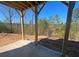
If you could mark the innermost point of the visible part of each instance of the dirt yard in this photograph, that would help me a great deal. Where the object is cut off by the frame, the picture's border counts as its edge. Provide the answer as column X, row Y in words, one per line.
column 72, row 47
column 7, row 38
column 52, row 43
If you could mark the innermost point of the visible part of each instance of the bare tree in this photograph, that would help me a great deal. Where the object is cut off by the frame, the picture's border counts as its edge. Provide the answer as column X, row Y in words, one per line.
column 8, row 17
column 11, row 14
column 76, row 18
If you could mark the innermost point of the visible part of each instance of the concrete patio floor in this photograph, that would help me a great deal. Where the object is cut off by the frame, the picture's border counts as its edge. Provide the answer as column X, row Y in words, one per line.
column 24, row 48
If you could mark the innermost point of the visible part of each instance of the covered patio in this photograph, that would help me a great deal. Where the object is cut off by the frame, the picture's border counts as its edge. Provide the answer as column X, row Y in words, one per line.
column 21, row 6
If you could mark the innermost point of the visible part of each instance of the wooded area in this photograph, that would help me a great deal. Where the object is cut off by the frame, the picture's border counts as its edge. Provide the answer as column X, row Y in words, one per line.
column 51, row 27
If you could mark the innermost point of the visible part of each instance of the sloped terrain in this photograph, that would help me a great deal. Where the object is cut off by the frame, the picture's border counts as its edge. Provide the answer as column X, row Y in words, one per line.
column 8, row 38
column 72, row 49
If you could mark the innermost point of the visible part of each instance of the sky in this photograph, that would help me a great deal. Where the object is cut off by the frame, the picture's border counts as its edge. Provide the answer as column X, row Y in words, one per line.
column 51, row 8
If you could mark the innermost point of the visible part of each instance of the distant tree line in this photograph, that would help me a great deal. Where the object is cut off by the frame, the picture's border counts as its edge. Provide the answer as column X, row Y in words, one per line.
column 52, row 26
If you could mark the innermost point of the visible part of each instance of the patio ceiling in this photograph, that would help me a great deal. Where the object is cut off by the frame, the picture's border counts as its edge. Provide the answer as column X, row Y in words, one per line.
column 21, row 5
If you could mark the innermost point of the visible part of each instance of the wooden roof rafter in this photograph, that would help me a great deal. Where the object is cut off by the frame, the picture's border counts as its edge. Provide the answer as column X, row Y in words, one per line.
column 22, row 3
column 7, row 4
column 16, row 4
column 36, row 2
column 32, row 6
column 27, row 5
column 13, row 4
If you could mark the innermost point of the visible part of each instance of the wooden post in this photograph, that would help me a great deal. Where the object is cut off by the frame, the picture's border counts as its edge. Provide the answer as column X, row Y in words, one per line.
column 36, row 24
column 67, row 30
column 36, row 21
column 22, row 23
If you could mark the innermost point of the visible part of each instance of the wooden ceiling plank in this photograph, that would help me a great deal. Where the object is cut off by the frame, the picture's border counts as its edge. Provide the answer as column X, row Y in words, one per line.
column 17, row 5
column 32, row 6
column 22, row 3
column 9, row 5
column 36, row 3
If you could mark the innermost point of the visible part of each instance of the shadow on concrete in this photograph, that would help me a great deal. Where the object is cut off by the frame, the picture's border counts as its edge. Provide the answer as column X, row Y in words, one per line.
column 31, row 50
column 72, row 49
column 45, row 48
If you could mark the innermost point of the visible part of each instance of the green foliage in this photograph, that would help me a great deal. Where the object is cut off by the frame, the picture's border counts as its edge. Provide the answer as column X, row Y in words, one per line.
column 76, row 19
column 43, row 25
column 3, row 27
column 54, row 20
column 30, row 27
column 57, row 27
column 75, row 24
column 76, row 15
column 61, row 30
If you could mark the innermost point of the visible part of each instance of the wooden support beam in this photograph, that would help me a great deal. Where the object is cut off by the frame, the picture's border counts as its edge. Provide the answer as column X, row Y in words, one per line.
column 41, row 7
column 36, row 21
column 31, row 6
column 36, row 24
column 22, row 23
column 18, row 12
column 65, row 3
column 67, row 29
column 26, row 5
